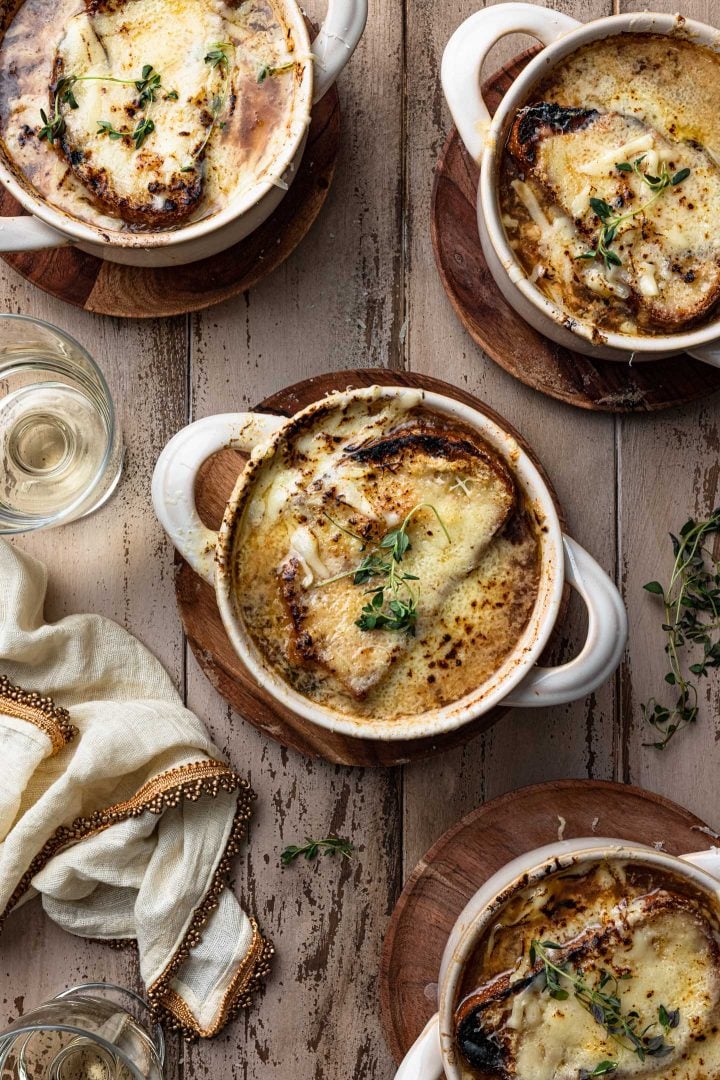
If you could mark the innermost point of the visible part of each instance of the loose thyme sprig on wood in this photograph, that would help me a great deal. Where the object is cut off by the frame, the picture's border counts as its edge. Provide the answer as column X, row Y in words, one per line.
column 611, row 221
column 147, row 86
column 394, row 601
column 310, row 850
column 691, row 607
column 603, row 1002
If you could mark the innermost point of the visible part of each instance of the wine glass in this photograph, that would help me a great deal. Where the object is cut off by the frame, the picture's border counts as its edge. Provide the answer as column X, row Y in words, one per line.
column 60, row 446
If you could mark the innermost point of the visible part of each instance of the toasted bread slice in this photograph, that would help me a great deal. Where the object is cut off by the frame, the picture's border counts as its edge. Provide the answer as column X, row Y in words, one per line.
column 664, row 953
column 421, row 462
column 669, row 249
column 159, row 183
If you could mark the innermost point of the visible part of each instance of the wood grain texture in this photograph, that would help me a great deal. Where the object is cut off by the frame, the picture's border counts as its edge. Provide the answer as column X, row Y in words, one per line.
column 538, row 362
column 336, row 303
column 117, row 563
column 481, row 844
column 573, row 740
column 361, row 291
column 668, row 471
column 133, row 292
column 203, row 625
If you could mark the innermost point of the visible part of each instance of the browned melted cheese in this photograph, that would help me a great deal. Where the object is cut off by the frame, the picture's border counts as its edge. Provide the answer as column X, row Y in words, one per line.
column 328, row 498
column 636, row 96
column 654, row 932
column 175, row 176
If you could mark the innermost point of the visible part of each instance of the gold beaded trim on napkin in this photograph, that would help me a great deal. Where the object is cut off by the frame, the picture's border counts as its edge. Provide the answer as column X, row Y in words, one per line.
column 192, row 781
column 28, row 705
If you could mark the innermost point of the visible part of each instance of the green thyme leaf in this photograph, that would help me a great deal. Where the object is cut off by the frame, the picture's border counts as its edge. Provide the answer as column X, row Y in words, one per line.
column 611, row 222
column 601, row 999
column 599, row 1070
column 691, row 620
column 106, row 128
column 331, row 845
column 601, row 208
column 144, row 128
column 393, row 603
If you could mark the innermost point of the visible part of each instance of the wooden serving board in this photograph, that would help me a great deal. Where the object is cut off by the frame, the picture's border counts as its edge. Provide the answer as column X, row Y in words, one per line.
column 206, row 633
column 599, row 385
column 479, row 845
column 134, row 292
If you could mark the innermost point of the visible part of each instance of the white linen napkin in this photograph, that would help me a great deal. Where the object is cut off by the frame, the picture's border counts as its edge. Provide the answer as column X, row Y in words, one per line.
column 116, row 807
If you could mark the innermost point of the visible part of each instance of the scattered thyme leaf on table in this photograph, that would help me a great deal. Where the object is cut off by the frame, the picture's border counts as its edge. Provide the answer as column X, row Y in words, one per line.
column 691, row 609
column 310, row 850
column 601, row 999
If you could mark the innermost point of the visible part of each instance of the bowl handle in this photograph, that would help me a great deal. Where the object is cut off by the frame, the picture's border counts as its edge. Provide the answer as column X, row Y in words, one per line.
column 29, row 234
column 709, row 354
column 466, row 50
column 173, row 482
column 423, row 1060
column 339, row 34
column 605, row 643
column 708, row 860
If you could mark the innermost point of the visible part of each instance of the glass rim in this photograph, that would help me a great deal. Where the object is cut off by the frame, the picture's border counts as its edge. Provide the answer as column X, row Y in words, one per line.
column 8, row 1037
column 66, row 515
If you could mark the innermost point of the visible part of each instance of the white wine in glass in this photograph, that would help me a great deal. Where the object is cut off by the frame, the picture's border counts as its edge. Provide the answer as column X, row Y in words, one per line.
column 60, row 446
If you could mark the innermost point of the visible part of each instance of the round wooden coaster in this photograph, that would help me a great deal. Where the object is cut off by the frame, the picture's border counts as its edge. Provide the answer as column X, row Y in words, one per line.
column 134, row 292
column 600, row 385
column 469, row 853
column 206, row 633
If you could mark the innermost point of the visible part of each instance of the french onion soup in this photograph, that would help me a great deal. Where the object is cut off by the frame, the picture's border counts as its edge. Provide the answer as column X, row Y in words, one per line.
column 386, row 563
column 147, row 114
column 611, row 967
column 610, row 184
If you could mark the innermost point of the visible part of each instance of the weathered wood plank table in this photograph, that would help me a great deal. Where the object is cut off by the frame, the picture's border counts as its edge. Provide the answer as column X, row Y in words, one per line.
column 362, row 290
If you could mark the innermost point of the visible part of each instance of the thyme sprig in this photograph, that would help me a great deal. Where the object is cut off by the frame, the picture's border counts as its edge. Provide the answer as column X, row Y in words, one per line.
column 691, row 608
column 612, row 221
column 218, row 60
column 147, row 85
column 601, row 1069
column 602, row 1001
column 393, row 603
column 331, row 845
column 267, row 70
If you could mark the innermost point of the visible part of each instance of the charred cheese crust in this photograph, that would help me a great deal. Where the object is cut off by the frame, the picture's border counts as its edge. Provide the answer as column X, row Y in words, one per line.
column 401, row 470
column 616, row 100
column 356, row 473
column 670, row 253
column 175, row 175
column 664, row 944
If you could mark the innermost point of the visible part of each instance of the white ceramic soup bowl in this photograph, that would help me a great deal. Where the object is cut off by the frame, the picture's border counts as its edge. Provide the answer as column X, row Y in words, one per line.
column 517, row 682
column 50, row 227
column 433, row 1055
column 484, row 139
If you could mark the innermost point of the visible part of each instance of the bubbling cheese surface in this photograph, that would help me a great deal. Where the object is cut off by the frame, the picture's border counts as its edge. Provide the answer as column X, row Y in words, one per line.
column 652, row 932
column 325, row 501
column 118, row 38
column 655, row 99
